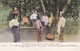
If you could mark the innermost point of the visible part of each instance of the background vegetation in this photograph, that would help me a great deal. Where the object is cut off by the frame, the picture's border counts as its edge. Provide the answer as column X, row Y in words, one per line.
column 55, row 6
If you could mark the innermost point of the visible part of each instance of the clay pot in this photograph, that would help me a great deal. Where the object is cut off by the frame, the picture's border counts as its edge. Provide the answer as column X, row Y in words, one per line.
column 50, row 36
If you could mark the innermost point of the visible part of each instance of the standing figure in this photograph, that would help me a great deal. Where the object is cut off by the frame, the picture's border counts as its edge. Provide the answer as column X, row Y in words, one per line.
column 33, row 17
column 45, row 20
column 11, row 15
column 51, row 20
column 45, row 23
column 60, row 27
column 39, row 28
column 51, row 23
column 14, row 25
column 25, row 20
column 15, row 11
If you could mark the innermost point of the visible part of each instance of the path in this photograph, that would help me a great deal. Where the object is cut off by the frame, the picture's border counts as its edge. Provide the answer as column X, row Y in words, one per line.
column 30, row 36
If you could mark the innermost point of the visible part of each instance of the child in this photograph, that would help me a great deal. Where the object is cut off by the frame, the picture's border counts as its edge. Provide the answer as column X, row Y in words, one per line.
column 38, row 26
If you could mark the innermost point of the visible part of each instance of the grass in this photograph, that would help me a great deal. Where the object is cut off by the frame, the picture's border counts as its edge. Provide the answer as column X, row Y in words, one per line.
column 72, row 27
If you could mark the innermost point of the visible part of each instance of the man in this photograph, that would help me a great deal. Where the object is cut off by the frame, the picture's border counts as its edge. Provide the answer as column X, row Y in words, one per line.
column 14, row 25
column 33, row 17
column 61, row 25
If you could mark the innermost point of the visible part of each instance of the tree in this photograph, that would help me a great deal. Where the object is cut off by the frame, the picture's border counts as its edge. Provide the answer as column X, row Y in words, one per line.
column 43, row 6
column 69, row 7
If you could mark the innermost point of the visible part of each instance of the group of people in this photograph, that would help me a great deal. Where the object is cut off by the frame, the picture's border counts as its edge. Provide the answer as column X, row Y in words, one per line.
column 40, row 22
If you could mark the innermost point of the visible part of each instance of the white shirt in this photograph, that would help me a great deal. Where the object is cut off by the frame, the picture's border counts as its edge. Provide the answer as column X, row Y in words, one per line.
column 45, row 19
column 13, row 22
column 33, row 16
column 61, row 23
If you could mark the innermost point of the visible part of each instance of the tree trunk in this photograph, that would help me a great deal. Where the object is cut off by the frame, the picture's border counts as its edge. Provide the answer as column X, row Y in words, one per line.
column 19, row 11
column 24, row 6
column 57, row 13
column 43, row 6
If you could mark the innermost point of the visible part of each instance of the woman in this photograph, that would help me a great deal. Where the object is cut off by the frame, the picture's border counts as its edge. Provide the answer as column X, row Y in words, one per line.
column 38, row 27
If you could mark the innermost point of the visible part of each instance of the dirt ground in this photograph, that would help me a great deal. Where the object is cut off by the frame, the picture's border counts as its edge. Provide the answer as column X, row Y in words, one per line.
column 30, row 36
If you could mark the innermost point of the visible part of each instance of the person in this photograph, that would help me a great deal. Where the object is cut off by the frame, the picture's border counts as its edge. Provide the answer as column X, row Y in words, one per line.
column 25, row 20
column 33, row 17
column 39, row 28
column 11, row 15
column 60, row 27
column 14, row 25
column 15, row 11
column 45, row 23
column 51, row 23
column 45, row 20
column 51, row 20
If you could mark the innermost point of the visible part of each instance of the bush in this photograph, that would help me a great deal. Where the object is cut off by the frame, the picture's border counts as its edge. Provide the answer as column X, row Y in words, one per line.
column 72, row 27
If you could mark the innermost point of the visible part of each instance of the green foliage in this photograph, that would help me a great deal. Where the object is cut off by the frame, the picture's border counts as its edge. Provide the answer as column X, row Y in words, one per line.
column 72, row 11
column 72, row 27
column 50, row 6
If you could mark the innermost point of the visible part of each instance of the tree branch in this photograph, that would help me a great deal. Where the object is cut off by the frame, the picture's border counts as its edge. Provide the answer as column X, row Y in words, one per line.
column 43, row 6
column 66, row 6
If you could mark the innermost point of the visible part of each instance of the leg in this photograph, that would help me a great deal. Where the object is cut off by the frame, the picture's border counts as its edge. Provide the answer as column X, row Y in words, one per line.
column 39, row 36
column 17, row 35
column 61, row 34
column 14, row 34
